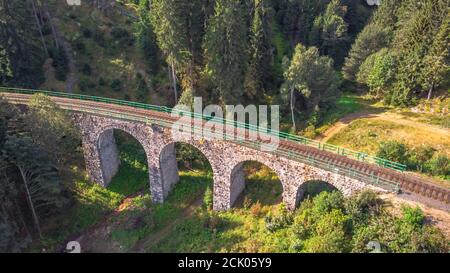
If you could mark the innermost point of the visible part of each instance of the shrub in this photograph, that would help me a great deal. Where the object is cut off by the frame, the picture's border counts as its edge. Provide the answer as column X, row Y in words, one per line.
column 310, row 132
column 279, row 219
column 80, row 46
column 327, row 201
column 116, row 85
column 246, row 203
column 418, row 156
column 86, row 69
column 394, row 151
column 122, row 36
column 413, row 216
column 87, row 33
column 213, row 221
column 99, row 38
column 102, row 81
column 362, row 206
column 256, row 208
column 439, row 165
column 61, row 64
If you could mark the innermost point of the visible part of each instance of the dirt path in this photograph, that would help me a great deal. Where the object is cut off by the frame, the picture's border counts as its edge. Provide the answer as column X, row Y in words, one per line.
column 157, row 237
column 385, row 116
column 89, row 238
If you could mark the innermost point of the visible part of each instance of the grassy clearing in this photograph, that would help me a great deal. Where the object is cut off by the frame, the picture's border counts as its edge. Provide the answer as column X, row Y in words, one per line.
column 91, row 203
column 347, row 104
column 367, row 134
column 442, row 121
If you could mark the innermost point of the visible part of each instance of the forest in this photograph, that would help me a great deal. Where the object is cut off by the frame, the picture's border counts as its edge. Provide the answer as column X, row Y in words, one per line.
column 308, row 56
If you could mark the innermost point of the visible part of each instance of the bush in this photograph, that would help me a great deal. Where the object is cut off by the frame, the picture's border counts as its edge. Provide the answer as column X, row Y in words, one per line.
column 80, row 46
column 327, row 201
column 394, row 151
column 310, row 132
column 87, row 33
column 256, row 209
column 439, row 165
column 61, row 64
column 116, row 85
column 99, row 38
column 102, row 81
column 362, row 206
column 413, row 216
column 281, row 218
column 86, row 69
column 122, row 37
column 418, row 156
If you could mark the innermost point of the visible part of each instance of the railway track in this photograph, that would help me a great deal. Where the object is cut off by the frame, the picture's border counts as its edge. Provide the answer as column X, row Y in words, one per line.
column 369, row 173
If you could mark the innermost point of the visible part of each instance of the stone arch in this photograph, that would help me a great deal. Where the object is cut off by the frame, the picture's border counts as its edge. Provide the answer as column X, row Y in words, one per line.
column 108, row 153
column 168, row 165
column 316, row 186
column 237, row 177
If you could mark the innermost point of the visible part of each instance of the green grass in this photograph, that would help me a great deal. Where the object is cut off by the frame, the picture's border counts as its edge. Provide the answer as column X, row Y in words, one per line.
column 241, row 229
column 237, row 230
column 432, row 119
column 191, row 186
column 347, row 104
column 262, row 185
column 91, row 204
column 364, row 135
column 367, row 134
column 132, row 176
column 141, row 219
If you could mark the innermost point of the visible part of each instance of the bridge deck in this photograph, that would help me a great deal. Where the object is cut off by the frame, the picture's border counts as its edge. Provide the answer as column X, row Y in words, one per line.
column 383, row 177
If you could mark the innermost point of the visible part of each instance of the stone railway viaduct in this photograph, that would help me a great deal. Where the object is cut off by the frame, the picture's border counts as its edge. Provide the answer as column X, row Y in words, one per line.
column 98, row 120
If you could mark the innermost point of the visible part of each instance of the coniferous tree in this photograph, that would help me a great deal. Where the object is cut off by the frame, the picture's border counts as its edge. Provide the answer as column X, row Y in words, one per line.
column 18, row 38
column 5, row 66
column 40, row 178
column 418, row 25
column 261, row 57
column 373, row 38
column 436, row 62
column 178, row 25
column 226, row 49
column 329, row 32
column 146, row 39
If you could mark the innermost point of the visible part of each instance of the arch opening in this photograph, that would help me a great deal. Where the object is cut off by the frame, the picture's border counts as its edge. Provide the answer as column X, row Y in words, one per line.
column 253, row 182
column 185, row 171
column 123, row 162
column 311, row 188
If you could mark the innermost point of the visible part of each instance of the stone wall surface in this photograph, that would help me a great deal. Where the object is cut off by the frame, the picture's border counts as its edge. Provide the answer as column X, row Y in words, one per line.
column 226, row 159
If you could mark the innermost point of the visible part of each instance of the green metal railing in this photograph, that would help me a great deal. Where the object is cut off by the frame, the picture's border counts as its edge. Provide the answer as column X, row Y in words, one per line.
column 163, row 109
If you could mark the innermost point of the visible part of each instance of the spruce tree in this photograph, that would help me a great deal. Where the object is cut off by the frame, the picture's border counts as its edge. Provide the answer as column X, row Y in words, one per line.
column 145, row 36
column 329, row 31
column 226, row 47
column 260, row 66
column 178, row 25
